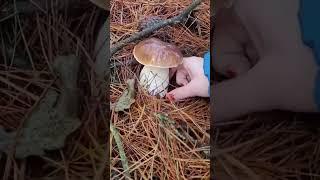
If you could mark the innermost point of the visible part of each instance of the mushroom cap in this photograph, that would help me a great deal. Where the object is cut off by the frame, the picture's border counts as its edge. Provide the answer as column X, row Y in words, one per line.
column 156, row 53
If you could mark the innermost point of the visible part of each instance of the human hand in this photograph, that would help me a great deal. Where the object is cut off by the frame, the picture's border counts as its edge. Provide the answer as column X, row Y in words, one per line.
column 190, row 75
column 283, row 71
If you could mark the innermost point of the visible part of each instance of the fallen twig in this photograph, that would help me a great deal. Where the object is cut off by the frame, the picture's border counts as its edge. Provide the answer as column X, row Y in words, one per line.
column 175, row 20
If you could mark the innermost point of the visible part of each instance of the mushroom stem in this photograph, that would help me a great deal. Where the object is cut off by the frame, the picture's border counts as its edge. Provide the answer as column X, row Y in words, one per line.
column 155, row 80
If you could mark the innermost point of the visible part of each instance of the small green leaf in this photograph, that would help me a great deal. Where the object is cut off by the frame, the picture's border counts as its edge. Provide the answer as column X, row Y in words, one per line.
column 164, row 118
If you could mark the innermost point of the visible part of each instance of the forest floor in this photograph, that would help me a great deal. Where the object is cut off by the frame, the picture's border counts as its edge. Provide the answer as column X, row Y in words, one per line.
column 33, row 38
column 161, row 140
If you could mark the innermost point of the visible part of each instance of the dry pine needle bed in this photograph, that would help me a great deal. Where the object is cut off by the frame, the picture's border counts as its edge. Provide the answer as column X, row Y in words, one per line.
column 34, row 40
column 160, row 140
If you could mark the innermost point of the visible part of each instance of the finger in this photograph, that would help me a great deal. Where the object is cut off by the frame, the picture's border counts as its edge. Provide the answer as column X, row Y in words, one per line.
column 267, row 86
column 194, row 67
column 182, row 92
column 188, row 78
column 230, row 59
column 239, row 96
column 233, row 65
column 182, row 77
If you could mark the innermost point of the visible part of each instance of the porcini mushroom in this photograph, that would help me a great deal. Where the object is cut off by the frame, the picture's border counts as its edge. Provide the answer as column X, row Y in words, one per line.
column 157, row 57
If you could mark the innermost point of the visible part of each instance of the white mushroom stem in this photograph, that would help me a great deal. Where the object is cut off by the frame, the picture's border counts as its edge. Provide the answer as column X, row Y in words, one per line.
column 155, row 80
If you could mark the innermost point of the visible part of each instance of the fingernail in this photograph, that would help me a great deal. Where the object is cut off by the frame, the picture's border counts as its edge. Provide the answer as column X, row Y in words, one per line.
column 231, row 73
column 170, row 97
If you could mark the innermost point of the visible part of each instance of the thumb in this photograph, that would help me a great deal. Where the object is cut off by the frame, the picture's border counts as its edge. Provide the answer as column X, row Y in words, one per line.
column 182, row 92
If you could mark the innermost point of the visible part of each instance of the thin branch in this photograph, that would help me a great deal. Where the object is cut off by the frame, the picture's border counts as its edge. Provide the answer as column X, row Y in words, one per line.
column 175, row 20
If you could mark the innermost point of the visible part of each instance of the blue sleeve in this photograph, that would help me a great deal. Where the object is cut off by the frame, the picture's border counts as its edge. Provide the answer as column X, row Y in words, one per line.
column 206, row 67
column 309, row 15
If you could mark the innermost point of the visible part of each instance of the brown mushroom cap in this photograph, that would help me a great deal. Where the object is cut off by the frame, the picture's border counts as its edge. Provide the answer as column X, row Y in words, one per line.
column 156, row 53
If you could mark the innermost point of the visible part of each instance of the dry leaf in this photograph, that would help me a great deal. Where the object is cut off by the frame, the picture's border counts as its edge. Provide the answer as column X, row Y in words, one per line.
column 52, row 120
column 127, row 98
